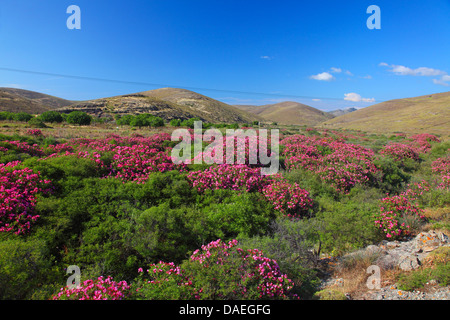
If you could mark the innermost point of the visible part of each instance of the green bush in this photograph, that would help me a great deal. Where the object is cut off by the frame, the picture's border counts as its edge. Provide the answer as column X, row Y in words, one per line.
column 22, row 116
column 79, row 118
column 232, row 214
column 164, row 233
column 393, row 179
column 5, row 115
column 189, row 123
column 347, row 225
column 124, row 120
column 51, row 116
column 175, row 122
column 24, row 267
column 294, row 244
column 36, row 123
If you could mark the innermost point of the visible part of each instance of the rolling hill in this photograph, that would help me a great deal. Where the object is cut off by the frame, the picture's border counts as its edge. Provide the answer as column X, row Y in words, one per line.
column 341, row 112
column 289, row 113
column 429, row 113
column 167, row 103
column 19, row 100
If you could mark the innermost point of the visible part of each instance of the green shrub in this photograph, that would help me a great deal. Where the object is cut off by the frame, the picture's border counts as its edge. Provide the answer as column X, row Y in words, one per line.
column 22, row 116
column 234, row 214
column 294, row 244
column 124, row 120
column 5, row 115
column 36, row 123
column 347, row 225
column 79, row 118
column 24, row 267
column 189, row 123
column 175, row 122
column 393, row 178
column 51, row 116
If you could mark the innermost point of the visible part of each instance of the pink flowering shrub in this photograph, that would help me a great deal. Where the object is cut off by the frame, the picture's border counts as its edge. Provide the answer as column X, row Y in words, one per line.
column 340, row 164
column 441, row 166
column 23, row 147
column 287, row 198
column 34, row 132
column 98, row 289
column 421, row 142
column 135, row 163
column 217, row 271
column 224, row 176
column 241, row 151
column 18, row 190
column 400, row 151
column 396, row 213
column 124, row 158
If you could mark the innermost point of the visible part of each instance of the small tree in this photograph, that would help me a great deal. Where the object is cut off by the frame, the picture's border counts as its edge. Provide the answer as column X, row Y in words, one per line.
column 79, row 117
column 23, row 116
column 51, row 116
column 175, row 122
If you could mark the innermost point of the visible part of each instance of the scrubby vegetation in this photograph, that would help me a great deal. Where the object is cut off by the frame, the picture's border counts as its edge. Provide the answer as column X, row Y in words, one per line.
column 141, row 227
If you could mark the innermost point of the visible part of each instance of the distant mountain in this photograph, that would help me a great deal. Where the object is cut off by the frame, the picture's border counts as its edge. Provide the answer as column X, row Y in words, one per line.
column 341, row 112
column 167, row 103
column 288, row 112
column 19, row 100
column 429, row 113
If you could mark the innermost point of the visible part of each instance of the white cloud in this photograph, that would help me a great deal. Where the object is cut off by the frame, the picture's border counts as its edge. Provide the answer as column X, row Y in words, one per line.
column 421, row 71
column 355, row 97
column 406, row 71
column 367, row 77
column 324, row 76
column 336, row 70
column 266, row 57
column 383, row 64
column 349, row 73
column 443, row 81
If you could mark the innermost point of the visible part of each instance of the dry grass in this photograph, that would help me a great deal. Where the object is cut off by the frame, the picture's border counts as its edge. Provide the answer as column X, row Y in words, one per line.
column 430, row 114
column 289, row 113
column 352, row 275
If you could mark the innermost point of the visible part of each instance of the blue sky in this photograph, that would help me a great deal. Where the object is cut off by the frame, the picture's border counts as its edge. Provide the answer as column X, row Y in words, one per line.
column 320, row 53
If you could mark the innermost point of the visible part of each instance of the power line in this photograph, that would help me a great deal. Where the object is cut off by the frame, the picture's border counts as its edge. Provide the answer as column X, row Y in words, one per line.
column 161, row 85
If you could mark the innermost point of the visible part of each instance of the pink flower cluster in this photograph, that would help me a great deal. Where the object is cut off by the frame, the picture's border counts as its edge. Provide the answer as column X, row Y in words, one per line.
column 341, row 164
column 98, row 289
column 24, row 147
column 245, row 150
column 421, row 142
column 224, row 176
column 400, row 151
column 18, row 190
column 135, row 163
column 59, row 148
column 258, row 275
column 133, row 158
column 287, row 198
column 255, row 269
column 34, row 132
column 393, row 209
column 441, row 166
